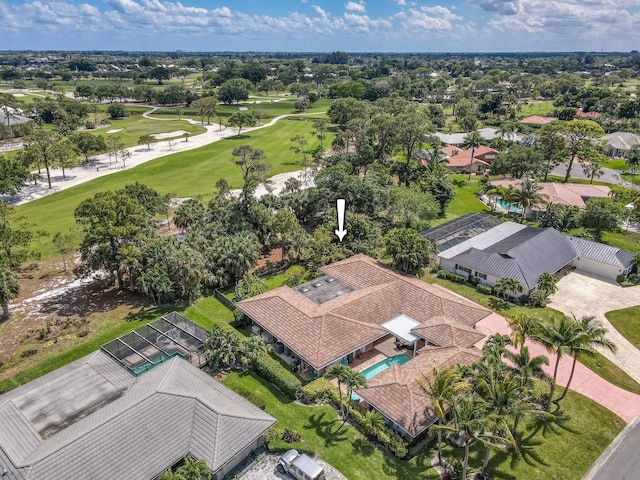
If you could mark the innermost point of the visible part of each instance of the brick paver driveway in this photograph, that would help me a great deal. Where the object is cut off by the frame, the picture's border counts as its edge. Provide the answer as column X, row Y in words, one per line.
column 582, row 294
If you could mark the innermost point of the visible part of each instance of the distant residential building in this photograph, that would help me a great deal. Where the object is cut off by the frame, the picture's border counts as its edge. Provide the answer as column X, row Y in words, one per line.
column 619, row 143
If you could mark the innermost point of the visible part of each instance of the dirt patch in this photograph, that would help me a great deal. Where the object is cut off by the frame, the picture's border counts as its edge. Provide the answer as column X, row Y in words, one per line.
column 55, row 310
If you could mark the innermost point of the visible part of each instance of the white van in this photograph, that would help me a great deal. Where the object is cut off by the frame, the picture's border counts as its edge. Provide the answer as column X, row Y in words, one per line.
column 301, row 467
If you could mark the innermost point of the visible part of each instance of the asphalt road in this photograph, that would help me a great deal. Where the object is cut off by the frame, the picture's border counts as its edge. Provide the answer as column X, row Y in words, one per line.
column 621, row 459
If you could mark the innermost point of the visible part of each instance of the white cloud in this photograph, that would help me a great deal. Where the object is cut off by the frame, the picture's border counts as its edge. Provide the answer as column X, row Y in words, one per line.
column 402, row 3
column 355, row 7
column 503, row 7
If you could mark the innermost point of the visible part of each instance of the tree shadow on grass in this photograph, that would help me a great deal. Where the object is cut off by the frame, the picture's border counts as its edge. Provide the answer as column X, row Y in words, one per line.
column 459, row 182
column 499, row 305
column 363, row 447
column 555, row 425
column 325, row 429
column 237, row 137
column 417, row 469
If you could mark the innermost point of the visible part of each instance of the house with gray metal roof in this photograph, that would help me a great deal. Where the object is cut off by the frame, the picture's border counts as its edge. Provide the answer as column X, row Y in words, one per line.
column 619, row 143
column 94, row 419
column 514, row 250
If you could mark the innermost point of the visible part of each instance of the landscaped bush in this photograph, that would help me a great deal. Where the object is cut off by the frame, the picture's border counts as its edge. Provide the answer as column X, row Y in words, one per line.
column 252, row 397
column 318, row 391
column 383, row 434
column 272, row 371
column 442, row 274
column 474, row 281
column 486, row 289
column 536, row 298
column 454, row 277
column 28, row 353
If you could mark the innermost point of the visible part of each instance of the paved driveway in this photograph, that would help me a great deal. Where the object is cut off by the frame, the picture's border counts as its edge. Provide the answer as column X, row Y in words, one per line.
column 583, row 294
column 265, row 469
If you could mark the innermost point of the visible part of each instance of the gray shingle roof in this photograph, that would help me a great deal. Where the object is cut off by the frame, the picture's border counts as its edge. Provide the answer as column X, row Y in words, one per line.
column 524, row 255
column 14, row 119
column 622, row 140
column 131, row 428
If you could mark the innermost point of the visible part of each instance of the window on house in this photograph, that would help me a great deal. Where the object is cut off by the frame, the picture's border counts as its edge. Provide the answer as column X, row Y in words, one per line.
column 481, row 275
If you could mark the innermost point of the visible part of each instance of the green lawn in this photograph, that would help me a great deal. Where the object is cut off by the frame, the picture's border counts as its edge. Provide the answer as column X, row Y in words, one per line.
column 610, row 372
column 465, row 200
column 186, row 174
column 627, row 322
column 270, row 109
column 535, row 108
column 615, row 163
column 317, row 428
column 134, row 126
column 564, row 451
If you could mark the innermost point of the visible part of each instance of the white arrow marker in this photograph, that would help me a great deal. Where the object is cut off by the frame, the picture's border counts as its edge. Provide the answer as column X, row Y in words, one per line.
column 340, row 231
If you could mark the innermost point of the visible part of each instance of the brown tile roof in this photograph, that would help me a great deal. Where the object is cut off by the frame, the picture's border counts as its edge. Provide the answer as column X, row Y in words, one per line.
column 538, row 120
column 448, row 332
column 323, row 333
column 564, row 193
column 397, row 394
column 590, row 114
column 461, row 158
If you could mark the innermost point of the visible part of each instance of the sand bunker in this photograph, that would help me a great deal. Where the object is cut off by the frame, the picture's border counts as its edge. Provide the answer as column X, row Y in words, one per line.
column 177, row 133
column 116, row 130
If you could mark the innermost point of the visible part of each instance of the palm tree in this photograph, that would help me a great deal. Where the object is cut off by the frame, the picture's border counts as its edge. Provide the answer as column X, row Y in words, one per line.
column 222, row 347
column 494, row 193
column 557, row 337
column 494, row 348
column 547, row 283
column 251, row 349
column 633, row 158
column 591, row 334
column 339, row 371
column 194, row 470
column 508, row 287
column 528, row 196
column 8, row 290
column 372, row 421
column 441, row 388
column 352, row 380
column 169, row 475
column 472, row 141
column 523, row 326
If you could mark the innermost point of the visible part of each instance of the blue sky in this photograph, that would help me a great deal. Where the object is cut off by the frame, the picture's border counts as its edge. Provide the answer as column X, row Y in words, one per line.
column 322, row 25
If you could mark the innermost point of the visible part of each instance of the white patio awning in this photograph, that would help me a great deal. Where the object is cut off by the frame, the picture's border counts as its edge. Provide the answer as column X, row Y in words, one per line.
column 401, row 326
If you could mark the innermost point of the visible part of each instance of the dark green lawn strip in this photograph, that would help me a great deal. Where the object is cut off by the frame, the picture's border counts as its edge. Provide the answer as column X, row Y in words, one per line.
column 317, row 428
column 627, row 322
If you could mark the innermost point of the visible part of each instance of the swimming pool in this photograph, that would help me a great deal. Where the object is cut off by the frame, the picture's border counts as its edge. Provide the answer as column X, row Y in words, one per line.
column 510, row 207
column 380, row 367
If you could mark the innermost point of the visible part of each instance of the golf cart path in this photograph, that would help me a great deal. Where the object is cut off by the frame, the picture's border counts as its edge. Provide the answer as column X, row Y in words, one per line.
column 102, row 165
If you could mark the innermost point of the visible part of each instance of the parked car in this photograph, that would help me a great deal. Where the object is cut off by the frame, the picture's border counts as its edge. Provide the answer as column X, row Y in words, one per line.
column 300, row 467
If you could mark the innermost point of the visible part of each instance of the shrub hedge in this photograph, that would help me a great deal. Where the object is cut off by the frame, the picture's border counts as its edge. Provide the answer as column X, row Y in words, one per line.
column 486, row 289
column 272, row 371
column 318, row 391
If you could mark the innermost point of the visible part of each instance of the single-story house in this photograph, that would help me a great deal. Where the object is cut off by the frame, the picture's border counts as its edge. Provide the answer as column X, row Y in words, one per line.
column 537, row 120
column 13, row 119
column 590, row 115
column 95, row 419
column 572, row 194
column 487, row 133
column 458, row 159
column 357, row 305
column 619, row 143
column 514, row 250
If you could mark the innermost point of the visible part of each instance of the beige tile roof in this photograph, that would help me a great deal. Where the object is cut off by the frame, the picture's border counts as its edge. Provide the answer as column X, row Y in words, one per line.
column 323, row 333
column 397, row 394
column 565, row 193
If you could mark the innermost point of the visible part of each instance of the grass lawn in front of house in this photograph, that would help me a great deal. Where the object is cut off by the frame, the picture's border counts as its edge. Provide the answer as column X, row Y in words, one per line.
column 627, row 322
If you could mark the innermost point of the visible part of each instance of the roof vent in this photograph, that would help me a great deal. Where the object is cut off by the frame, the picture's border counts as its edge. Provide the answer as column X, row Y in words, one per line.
column 318, row 285
column 305, row 289
column 329, row 280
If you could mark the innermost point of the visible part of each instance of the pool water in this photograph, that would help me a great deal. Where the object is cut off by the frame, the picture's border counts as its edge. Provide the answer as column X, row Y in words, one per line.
column 510, row 207
column 156, row 360
column 380, row 367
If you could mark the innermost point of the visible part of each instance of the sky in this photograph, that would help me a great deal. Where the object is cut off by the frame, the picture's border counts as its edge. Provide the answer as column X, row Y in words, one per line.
column 321, row 25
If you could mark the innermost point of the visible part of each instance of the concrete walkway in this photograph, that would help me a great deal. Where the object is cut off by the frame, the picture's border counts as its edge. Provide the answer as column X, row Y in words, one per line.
column 101, row 165
column 585, row 295
column 586, row 382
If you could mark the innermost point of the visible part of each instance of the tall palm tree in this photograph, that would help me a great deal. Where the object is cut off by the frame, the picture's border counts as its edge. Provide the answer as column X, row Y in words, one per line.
column 528, row 196
column 441, row 388
column 473, row 140
column 557, row 337
column 339, row 371
column 523, row 326
column 352, row 380
column 591, row 335
column 251, row 349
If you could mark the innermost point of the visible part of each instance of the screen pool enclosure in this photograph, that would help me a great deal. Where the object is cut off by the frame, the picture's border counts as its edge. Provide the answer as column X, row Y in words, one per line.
column 154, row 343
column 459, row 230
